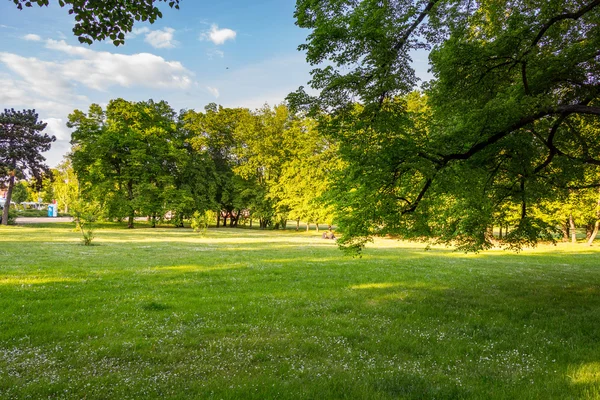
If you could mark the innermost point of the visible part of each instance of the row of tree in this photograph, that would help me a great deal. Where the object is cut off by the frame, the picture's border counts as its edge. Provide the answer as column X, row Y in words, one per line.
column 143, row 159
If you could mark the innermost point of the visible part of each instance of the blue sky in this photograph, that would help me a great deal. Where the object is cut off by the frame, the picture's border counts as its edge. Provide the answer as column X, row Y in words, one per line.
column 232, row 52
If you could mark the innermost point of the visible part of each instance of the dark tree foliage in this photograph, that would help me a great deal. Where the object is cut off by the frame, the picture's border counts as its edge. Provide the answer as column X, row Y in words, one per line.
column 102, row 19
column 514, row 83
column 21, row 145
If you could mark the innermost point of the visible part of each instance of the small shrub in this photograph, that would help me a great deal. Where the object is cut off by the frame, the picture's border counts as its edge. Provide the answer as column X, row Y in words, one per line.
column 84, row 216
column 12, row 216
column 33, row 213
column 201, row 221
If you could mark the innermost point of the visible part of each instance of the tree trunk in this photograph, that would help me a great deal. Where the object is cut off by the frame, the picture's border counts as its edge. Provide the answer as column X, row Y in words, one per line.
column 307, row 226
column 500, row 233
column 572, row 227
column 250, row 222
column 489, row 233
column 11, row 185
column 218, row 219
column 565, row 231
column 297, row 225
column 589, row 228
column 317, row 225
column 597, row 224
column 594, row 233
column 130, row 198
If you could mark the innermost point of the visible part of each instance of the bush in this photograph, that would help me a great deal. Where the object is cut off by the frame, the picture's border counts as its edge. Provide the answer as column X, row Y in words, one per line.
column 84, row 216
column 12, row 216
column 33, row 213
column 201, row 221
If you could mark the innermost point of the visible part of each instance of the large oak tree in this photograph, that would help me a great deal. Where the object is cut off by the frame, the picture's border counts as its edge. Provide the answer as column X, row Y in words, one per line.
column 514, row 82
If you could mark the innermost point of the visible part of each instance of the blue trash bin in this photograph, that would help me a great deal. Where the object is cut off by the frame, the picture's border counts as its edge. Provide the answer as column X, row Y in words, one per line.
column 51, row 210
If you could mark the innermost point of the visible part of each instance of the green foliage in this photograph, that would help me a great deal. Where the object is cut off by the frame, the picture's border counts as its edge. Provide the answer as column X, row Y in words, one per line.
column 509, row 120
column 65, row 186
column 201, row 221
column 212, row 134
column 305, row 179
column 108, row 19
column 124, row 157
column 12, row 217
column 21, row 145
column 85, row 214
column 35, row 213
column 20, row 192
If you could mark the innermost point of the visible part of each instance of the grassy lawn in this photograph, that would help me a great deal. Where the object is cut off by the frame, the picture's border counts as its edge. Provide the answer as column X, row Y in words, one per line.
column 167, row 313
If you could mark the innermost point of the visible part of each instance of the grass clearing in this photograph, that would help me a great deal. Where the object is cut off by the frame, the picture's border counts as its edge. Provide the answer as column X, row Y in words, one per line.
column 167, row 313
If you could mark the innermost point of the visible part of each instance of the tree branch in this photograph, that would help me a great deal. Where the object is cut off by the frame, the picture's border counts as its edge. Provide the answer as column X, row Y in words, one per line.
column 564, row 109
column 578, row 108
column 524, row 77
column 575, row 15
column 415, row 24
column 415, row 203
column 550, row 144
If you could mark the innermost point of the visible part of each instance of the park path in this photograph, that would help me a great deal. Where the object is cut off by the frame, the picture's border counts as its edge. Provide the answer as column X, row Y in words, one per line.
column 41, row 220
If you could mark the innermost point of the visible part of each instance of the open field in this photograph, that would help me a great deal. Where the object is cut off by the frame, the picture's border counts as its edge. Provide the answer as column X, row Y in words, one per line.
column 167, row 313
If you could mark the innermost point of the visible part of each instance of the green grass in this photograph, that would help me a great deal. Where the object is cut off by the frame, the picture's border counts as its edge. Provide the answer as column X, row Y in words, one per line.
column 167, row 313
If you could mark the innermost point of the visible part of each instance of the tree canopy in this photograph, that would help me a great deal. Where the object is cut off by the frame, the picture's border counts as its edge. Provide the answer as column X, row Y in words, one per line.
column 141, row 159
column 511, row 114
column 99, row 20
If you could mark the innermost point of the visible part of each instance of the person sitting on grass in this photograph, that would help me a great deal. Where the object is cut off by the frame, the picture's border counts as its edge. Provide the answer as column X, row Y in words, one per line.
column 328, row 234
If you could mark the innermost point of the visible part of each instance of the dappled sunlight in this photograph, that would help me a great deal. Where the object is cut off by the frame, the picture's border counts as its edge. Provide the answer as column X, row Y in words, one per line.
column 384, row 292
column 13, row 280
column 541, row 248
column 586, row 374
column 374, row 286
column 199, row 268
column 401, row 285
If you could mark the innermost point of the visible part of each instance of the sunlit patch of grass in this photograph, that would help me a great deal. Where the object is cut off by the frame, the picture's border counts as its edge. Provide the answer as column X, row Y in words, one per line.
column 374, row 286
column 197, row 268
column 8, row 280
column 586, row 374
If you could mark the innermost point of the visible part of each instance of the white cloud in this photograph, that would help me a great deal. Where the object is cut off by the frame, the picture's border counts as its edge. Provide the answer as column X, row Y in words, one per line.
column 100, row 70
column 32, row 37
column 161, row 39
column 213, row 91
column 58, row 128
column 39, row 79
column 218, row 36
column 215, row 53
column 55, row 88
column 25, row 94
column 138, row 31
